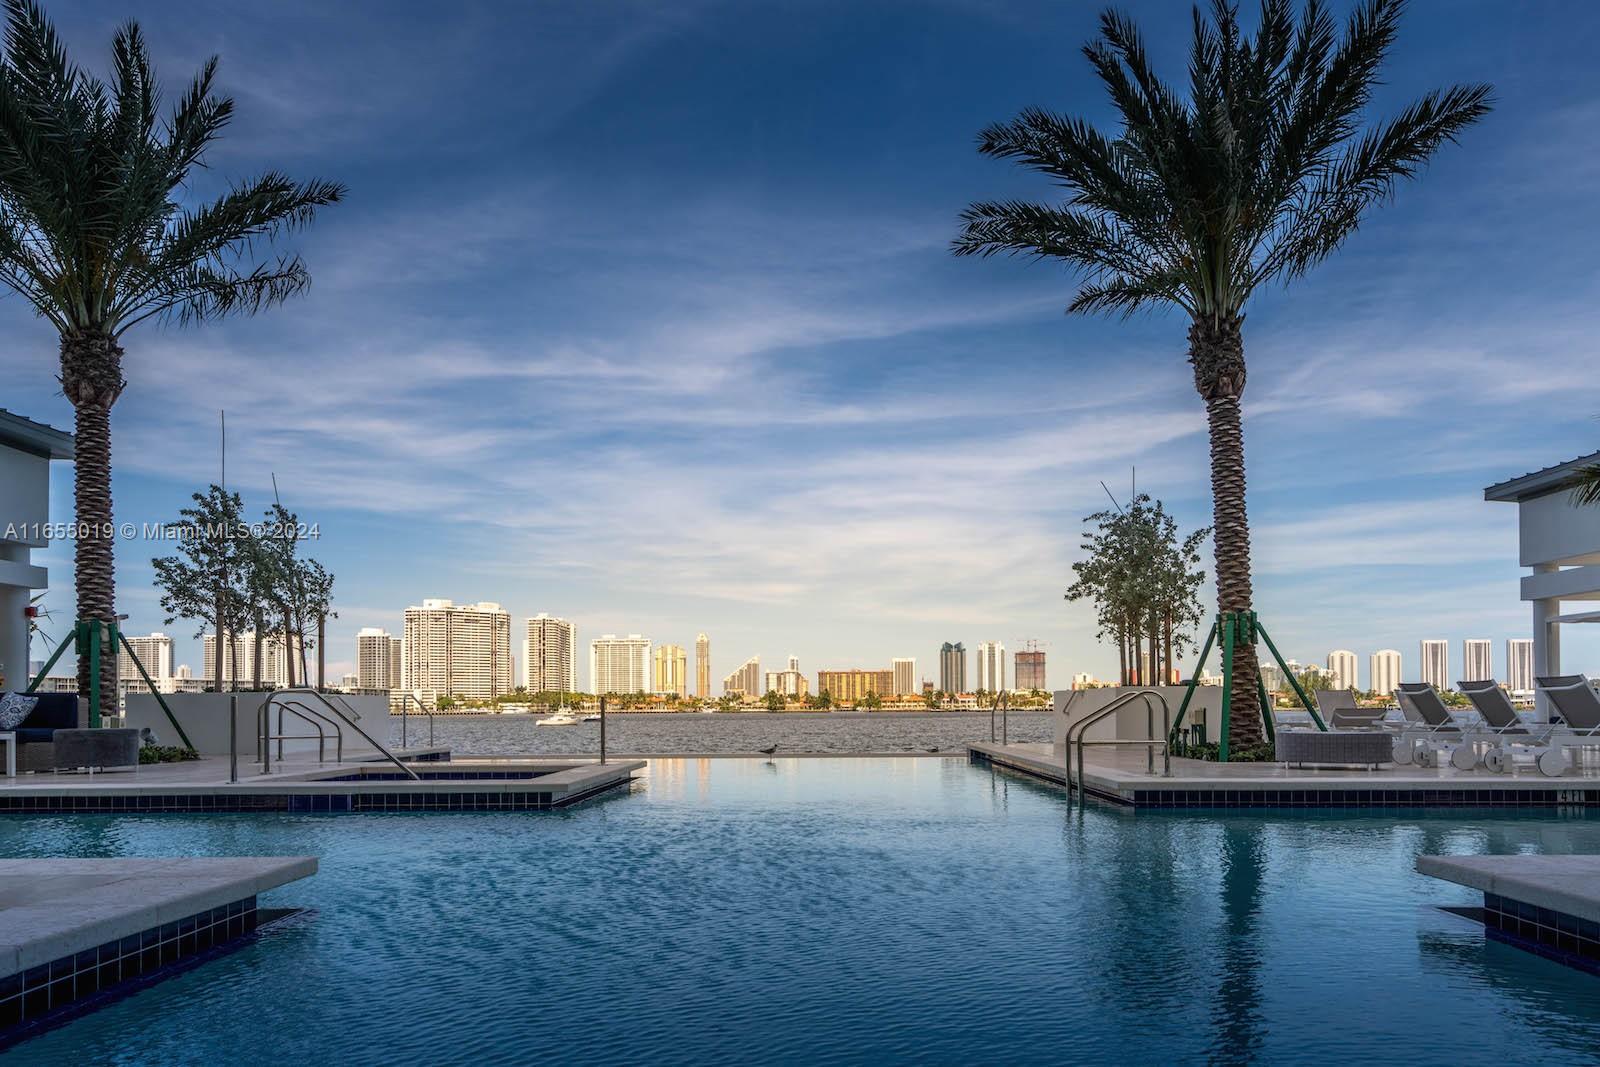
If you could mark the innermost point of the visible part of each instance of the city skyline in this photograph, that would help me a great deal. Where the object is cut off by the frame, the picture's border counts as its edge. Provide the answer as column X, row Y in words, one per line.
column 864, row 325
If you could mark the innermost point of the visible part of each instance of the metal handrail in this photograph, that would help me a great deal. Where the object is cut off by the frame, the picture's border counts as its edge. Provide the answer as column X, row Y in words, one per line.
column 338, row 734
column 310, row 692
column 265, row 736
column 1117, row 704
column 407, row 696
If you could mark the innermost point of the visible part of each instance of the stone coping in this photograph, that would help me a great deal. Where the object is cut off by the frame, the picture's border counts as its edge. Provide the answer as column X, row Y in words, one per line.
column 1567, row 884
column 1121, row 777
column 51, row 908
column 556, row 777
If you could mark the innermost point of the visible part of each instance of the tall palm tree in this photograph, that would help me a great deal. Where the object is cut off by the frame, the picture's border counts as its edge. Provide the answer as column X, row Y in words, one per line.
column 98, row 234
column 1256, row 175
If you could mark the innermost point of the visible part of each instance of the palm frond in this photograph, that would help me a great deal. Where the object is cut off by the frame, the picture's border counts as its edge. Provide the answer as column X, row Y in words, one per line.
column 1258, row 173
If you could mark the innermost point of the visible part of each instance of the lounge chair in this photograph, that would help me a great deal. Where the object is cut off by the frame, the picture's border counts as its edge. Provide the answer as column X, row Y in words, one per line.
column 1502, row 727
column 1429, row 728
column 1580, row 709
column 1338, row 709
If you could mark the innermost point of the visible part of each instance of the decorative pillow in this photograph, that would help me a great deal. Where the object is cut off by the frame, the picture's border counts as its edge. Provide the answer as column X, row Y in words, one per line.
column 14, row 707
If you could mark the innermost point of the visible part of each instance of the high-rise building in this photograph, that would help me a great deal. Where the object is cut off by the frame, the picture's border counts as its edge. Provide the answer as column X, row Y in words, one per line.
column 1436, row 664
column 1030, row 670
column 278, row 659
column 789, row 682
column 1342, row 669
column 350, row 681
column 1384, row 672
column 456, row 650
column 154, row 652
column 669, row 673
column 1519, row 664
column 905, row 676
column 702, row 666
column 744, row 682
column 550, row 655
column 853, row 686
column 991, row 666
column 619, row 664
column 1272, row 677
column 953, row 667
column 1083, row 680
column 377, row 659
column 1477, row 660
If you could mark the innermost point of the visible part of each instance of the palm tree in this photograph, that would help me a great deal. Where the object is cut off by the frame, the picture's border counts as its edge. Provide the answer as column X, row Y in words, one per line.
column 1259, row 173
column 96, row 232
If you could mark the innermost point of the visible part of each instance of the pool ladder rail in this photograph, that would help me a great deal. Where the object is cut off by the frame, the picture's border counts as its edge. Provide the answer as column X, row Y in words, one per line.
column 334, row 712
column 1081, row 727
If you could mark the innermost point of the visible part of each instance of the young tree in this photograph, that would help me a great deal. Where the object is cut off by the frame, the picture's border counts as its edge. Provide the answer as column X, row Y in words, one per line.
column 208, row 580
column 1198, row 198
column 97, row 236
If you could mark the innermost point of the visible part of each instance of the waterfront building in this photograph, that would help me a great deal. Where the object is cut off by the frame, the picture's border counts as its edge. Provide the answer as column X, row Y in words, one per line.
column 1519, row 664
column 1272, row 677
column 456, row 650
column 669, row 672
column 377, row 659
column 154, row 652
column 1477, row 660
column 991, row 666
column 1384, row 672
column 1342, row 669
column 1436, row 664
column 746, row 681
column 550, row 655
column 26, row 450
column 1084, row 680
column 279, row 659
column 953, row 667
column 1029, row 673
column 619, row 664
column 788, row 683
column 350, row 681
column 905, row 676
column 855, row 685
column 702, row 666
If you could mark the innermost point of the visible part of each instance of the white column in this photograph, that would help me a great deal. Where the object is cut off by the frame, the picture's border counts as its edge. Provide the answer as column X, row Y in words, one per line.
column 1546, row 644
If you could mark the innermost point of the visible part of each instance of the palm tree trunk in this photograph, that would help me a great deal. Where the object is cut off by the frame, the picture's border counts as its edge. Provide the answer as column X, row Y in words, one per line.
column 1216, row 349
column 91, row 380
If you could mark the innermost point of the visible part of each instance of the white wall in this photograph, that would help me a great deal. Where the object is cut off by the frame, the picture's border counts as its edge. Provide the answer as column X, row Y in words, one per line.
column 24, row 505
column 1133, row 721
column 204, row 717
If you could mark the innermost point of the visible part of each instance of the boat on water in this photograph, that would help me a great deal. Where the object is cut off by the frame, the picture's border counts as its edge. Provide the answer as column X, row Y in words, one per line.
column 593, row 716
column 560, row 718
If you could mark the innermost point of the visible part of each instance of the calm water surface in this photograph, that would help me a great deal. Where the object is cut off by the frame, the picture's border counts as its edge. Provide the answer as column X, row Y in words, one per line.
column 845, row 911
column 652, row 734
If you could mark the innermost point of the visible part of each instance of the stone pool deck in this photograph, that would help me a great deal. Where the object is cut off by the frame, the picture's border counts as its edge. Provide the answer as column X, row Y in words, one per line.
column 74, row 932
column 307, row 786
column 1120, row 777
column 1549, row 905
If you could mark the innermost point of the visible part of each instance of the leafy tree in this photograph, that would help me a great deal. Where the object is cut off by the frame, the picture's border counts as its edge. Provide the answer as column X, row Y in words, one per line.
column 1254, row 175
column 773, row 700
column 210, row 579
column 1144, row 580
column 95, row 234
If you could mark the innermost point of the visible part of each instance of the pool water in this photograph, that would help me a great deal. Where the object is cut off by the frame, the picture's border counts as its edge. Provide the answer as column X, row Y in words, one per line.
column 845, row 911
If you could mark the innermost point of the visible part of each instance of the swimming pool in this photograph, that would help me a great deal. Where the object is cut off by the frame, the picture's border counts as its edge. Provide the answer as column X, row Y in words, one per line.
column 845, row 910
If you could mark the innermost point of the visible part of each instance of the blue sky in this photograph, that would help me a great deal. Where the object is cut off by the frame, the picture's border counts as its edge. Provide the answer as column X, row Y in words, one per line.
column 642, row 314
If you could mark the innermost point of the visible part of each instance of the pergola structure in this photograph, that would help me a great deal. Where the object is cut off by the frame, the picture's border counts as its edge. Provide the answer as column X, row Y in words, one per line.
column 1560, row 543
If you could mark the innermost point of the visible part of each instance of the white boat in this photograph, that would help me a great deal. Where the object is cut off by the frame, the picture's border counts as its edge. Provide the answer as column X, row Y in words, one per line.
column 593, row 716
column 560, row 718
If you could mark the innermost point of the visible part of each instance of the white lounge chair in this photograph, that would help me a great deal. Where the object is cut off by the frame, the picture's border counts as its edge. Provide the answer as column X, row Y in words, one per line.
column 1502, row 730
column 1430, row 729
column 1579, row 706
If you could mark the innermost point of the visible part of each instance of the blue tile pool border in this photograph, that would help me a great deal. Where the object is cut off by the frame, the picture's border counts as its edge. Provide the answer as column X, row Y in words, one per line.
column 39, row 997
column 1566, row 939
